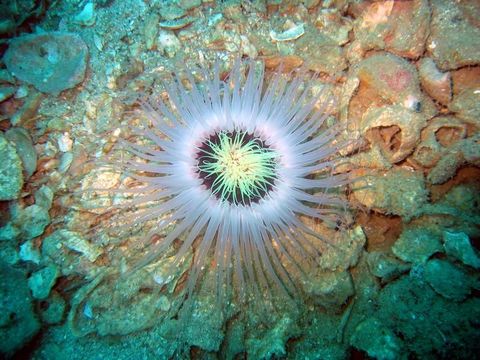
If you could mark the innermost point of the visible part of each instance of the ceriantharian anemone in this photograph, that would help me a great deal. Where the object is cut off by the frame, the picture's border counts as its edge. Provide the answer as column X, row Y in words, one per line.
column 235, row 162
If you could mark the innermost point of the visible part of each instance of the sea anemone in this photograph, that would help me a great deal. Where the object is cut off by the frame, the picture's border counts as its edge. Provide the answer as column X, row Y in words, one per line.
column 234, row 163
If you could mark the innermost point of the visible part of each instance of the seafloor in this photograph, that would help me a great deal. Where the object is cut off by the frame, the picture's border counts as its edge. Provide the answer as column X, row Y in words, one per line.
column 401, row 279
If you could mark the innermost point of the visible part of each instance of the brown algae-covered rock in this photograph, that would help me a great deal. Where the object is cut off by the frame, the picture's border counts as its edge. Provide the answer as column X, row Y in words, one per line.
column 52, row 62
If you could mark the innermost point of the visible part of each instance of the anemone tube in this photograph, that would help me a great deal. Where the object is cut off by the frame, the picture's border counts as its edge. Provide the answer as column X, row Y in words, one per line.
column 234, row 163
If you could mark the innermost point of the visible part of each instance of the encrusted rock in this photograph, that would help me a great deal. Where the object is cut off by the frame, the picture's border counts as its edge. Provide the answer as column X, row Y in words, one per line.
column 374, row 158
column 11, row 176
column 171, row 11
column 6, row 92
column 459, row 209
column 465, row 78
column 325, row 57
column 466, row 105
column 22, row 92
column 455, row 34
column 458, row 245
column 109, row 305
column 32, row 221
column 345, row 252
column 394, row 129
column 150, row 30
column 25, row 149
column 436, row 139
column 42, row 281
column 377, row 340
column 53, row 309
column 9, row 232
column 163, row 273
column 330, row 21
column 87, row 16
column 72, row 241
column 385, row 267
column 206, row 324
column 28, row 112
column 330, row 289
column 271, row 343
column 398, row 191
column 189, row 4
column 399, row 27
column 168, row 43
column 392, row 78
column 28, row 252
column 44, row 197
column 417, row 245
column 6, row 77
column 448, row 280
column 436, row 83
column 65, row 142
column 288, row 63
column 52, row 62
column 18, row 323
column 101, row 178
column 419, row 316
column 466, row 151
column 8, row 253
column 65, row 162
